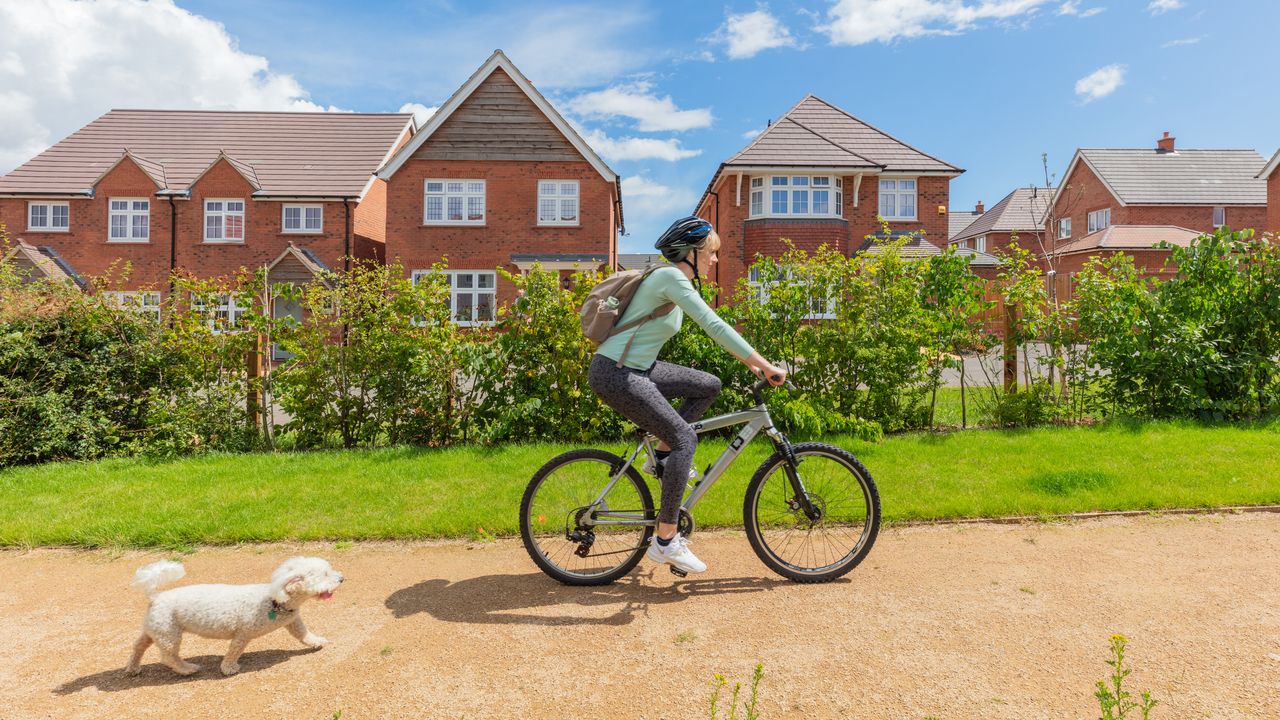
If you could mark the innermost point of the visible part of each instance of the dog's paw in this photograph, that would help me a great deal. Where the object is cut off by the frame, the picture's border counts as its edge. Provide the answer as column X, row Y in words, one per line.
column 315, row 641
column 133, row 670
column 231, row 669
column 187, row 668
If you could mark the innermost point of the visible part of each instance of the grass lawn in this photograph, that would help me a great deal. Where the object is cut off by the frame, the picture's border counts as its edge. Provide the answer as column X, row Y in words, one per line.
column 414, row 492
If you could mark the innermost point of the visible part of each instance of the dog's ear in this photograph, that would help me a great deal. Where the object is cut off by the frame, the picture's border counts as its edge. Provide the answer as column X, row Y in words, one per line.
column 282, row 592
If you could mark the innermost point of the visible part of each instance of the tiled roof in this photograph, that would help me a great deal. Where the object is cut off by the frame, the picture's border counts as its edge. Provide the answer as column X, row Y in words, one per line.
column 1129, row 237
column 1270, row 167
column 1020, row 210
column 637, row 261
column 958, row 220
column 916, row 247
column 816, row 133
column 282, row 153
column 42, row 260
column 1184, row 177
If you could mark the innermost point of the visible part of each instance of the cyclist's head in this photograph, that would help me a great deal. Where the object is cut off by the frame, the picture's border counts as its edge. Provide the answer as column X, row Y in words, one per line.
column 683, row 237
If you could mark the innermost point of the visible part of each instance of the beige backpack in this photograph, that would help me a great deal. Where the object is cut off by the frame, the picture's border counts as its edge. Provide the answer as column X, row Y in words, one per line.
column 608, row 302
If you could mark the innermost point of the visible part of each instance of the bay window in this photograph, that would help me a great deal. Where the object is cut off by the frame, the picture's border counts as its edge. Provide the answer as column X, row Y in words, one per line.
column 471, row 294
column 223, row 313
column 797, row 196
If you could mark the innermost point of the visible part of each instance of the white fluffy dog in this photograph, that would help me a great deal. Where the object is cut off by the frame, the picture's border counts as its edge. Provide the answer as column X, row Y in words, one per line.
column 238, row 613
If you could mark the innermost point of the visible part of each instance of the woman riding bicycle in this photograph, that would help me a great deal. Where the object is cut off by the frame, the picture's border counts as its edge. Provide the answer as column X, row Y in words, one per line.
column 639, row 387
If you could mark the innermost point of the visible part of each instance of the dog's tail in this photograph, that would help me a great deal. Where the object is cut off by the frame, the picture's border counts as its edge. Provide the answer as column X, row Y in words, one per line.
column 151, row 577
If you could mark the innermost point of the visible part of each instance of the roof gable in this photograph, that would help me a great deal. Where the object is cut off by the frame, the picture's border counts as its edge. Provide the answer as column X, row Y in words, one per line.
column 1020, row 210
column 849, row 142
column 487, row 117
column 1270, row 167
column 298, row 265
column 42, row 263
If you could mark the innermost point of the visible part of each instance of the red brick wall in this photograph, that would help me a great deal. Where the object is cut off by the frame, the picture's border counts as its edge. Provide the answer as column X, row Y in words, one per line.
column 511, row 216
column 742, row 238
column 1273, row 202
column 86, row 248
column 370, row 216
column 1151, row 262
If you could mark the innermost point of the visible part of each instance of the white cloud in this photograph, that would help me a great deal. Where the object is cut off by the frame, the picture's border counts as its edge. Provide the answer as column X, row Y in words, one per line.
column 1188, row 41
column 1101, row 83
column 749, row 33
column 1072, row 7
column 643, row 195
column 1163, row 6
column 67, row 62
column 421, row 113
column 855, row 22
column 634, row 100
column 633, row 148
column 752, row 133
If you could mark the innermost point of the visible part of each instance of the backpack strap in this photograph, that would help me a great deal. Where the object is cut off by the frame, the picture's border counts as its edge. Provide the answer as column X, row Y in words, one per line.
column 657, row 313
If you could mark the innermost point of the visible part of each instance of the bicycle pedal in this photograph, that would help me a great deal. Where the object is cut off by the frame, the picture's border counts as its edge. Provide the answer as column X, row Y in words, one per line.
column 677, row 571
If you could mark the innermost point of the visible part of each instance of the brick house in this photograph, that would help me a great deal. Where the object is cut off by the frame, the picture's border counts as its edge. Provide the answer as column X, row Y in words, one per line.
column 1020, row 213
column 1135, row 241
column 1270, row 175
column 958, row 220
column 1197, row 190
column 206, row 192
column 820, row 176
column 497, row 178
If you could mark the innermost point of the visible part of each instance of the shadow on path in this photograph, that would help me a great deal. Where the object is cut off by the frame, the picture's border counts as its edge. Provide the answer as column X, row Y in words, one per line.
column 156, row 673
column 494, row 599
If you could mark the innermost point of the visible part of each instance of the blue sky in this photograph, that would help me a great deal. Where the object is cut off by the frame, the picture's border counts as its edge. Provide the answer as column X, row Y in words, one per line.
column 668, row 90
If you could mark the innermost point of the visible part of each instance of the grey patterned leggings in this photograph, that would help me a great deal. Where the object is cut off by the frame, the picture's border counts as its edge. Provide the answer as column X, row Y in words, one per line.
column 641, row 397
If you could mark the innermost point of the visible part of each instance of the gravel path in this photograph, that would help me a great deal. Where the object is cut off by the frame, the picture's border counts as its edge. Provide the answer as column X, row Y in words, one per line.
column 941, row 621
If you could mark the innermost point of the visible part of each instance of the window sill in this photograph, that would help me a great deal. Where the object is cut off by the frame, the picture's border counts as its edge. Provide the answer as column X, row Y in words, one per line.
column 797, row 216
column 558, row 225
column 902, row 220
column 298, row 232
column 48, row 230
column 222, row 242
column 453, row 224
column 127, row 242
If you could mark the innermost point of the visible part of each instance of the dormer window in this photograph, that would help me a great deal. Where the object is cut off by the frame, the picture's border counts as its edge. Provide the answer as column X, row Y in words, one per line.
column 796, row 196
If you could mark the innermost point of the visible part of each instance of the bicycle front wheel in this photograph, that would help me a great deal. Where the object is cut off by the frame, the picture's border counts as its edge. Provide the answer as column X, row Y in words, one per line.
column 573, row 538
column 818, row 550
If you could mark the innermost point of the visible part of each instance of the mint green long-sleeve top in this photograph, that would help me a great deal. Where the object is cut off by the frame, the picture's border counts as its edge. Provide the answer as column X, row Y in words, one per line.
column 664, row 285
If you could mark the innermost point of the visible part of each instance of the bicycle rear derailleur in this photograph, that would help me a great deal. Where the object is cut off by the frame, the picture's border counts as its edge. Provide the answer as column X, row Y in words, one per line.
column 584, row 537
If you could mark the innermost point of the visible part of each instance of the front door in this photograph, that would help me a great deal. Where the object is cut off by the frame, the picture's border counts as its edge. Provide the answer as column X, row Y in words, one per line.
column 285, row 309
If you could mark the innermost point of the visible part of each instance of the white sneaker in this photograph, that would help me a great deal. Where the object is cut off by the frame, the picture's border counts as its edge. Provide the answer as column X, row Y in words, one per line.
column 649, row 468
column 677, row 555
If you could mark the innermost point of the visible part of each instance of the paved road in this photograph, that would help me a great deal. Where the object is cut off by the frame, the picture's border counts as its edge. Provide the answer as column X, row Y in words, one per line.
column 946, row 622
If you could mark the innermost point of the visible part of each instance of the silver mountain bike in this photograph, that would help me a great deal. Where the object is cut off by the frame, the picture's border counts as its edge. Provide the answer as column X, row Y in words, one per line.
column 811, row 510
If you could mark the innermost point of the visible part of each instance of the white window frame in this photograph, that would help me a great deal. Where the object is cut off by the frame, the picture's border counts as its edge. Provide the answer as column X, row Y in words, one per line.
column 980, row 243
column 226, row 315
column 304, row 219
column 561, row 200
column 1064, row 228
column 467, row 192
column 143, row 302
column 795, row 192
column 49, row 216
column 897, row 192
column 760, row 293
column 483, row 282
column 1219, row 217
column 223, row 213
column 131, row 214
column 1099, row 220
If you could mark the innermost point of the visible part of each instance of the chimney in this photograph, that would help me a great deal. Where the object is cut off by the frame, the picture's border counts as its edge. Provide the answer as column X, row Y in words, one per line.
column 1165, row 144
column 978, row 208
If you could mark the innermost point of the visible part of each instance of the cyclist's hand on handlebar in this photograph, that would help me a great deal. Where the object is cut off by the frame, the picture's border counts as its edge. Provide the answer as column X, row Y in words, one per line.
column 774, row 374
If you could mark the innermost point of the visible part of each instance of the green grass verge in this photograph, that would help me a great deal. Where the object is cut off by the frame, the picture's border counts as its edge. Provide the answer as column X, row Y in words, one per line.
column 454, row 492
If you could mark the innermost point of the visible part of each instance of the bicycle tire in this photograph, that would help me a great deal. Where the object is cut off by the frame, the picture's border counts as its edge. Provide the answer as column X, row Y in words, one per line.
column 578, row 476
column 830, row 473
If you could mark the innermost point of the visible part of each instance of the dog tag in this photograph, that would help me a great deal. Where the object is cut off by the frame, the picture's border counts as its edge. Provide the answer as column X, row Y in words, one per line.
column 272, row 614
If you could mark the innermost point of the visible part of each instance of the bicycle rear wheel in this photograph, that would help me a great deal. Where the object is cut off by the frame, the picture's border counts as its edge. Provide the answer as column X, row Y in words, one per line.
column 804, row 550
column 561, row 529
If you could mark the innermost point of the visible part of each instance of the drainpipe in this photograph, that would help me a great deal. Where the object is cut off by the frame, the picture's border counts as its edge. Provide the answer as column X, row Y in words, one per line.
column 715, row 225
column 173, row 253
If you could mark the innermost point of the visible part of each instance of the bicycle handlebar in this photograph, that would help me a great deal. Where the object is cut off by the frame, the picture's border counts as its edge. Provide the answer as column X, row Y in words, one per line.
column 763, row 384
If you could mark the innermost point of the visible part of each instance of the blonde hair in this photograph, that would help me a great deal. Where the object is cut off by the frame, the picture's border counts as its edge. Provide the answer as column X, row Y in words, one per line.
column 713, row 242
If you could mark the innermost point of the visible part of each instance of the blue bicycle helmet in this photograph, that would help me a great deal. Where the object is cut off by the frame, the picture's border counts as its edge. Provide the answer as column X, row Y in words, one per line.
column 682, row 238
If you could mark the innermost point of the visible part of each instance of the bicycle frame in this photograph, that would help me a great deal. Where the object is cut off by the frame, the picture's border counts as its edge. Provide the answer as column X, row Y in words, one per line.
column 756, row 419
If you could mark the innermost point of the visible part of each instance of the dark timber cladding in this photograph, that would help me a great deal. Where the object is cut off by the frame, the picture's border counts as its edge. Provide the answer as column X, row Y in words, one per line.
column 497, row 122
